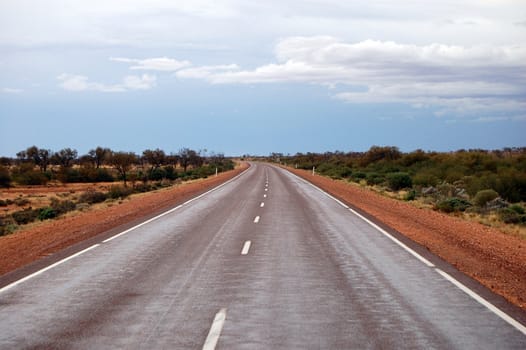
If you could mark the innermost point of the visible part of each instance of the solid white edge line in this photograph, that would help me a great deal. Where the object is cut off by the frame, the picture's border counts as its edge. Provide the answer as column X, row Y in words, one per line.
column 395, row 240
column 215, row 330
column 11, row 285
column 256, row 219
column 517, row 325
column 173, row 209
column 521, row 328
column 246, row 248
column 22, row 280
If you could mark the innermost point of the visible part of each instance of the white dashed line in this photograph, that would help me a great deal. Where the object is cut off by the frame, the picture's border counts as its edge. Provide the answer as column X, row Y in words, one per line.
column 266, row 189
column 262, row 205
column 256, row 219
column 246, row 247
column 264, row 196
column 215, row 330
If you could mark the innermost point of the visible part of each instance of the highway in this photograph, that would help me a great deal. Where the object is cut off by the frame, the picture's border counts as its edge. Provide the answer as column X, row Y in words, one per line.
column 266, row 261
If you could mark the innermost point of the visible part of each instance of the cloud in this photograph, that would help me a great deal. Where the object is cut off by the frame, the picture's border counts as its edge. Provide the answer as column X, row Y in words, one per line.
column 455, row 79
column 8, row 90
column 71, row 82
column 155, row 64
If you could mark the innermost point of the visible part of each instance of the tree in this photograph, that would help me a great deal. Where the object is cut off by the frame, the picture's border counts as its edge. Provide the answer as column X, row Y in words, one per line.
column 155, row 158
column 99, row 155
column 122, row 162
column 65, row 157
column 184, row 157
column 39, row 157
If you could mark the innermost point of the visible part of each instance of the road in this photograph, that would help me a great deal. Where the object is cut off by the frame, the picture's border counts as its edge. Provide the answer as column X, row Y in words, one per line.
column 266, row 261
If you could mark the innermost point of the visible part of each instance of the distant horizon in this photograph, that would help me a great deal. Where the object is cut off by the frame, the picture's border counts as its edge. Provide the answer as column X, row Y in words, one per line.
column 206, row 152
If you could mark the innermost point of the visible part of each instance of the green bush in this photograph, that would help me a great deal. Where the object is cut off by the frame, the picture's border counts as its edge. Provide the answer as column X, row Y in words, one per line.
column 25, row 216
column 484, row 196
column 359, row 175
column 31, row 177
column 410, row 196
column 375, row 179
column 46, row 213
column 452, row 205
column 517, row 208
column 398, row 181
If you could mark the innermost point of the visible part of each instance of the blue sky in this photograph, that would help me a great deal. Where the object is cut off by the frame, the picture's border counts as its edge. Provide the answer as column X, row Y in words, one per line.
column 257, row 77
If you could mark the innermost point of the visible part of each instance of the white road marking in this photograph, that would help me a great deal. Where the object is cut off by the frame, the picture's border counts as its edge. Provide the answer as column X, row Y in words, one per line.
column 246, row 247
column 264, row 196
column 256, row 219
column 215, row 330
column 266, row 189
column 262, row 205
column 9, row 286
column 517, row 325
column 388, row 235
column 484, row 302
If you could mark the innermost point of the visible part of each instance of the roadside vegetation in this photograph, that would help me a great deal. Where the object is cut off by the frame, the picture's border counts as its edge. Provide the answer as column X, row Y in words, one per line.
column 489, row 186
column 123, row 173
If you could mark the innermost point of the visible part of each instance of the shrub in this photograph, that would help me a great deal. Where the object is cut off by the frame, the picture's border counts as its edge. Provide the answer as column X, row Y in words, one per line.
column 510, row 216
column 22, row 201
column 5, row 177
column 484, row 196
column 398, row 181
column 170, row 172
column 62, row 207
column 30, row 178
column 119, row 192
column 25, row 216
column 359, row 175
column 91, row 197
column 157, row 174
column 410, row 196
column 454, row 204
column 375, row 178
column 425, row 179
column 517, row 208
column 46, row 213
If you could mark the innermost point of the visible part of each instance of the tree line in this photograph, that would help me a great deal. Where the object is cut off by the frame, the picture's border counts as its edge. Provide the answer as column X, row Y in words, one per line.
column 464, row 180
column 37, row 166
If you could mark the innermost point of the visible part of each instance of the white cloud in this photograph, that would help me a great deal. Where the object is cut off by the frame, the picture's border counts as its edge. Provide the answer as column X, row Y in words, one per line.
column 8, row 90
column 155, row 64
column 73, row 82
column 455, row 79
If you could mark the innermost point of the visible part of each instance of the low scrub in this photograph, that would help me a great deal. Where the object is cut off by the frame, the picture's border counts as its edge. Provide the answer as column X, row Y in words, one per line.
column 452, row 205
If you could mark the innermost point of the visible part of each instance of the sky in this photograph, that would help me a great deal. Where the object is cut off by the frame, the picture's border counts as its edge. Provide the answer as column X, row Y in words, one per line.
column 255, row 77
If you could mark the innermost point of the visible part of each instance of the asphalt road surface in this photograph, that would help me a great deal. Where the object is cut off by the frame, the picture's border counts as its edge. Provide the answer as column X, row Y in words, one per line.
column 266, row 261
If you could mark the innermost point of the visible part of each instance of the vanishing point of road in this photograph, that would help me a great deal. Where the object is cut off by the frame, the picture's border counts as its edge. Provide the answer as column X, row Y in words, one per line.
column 265, row 261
